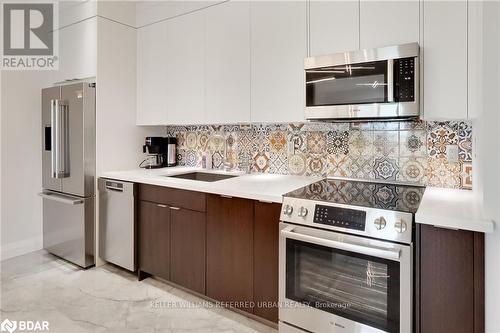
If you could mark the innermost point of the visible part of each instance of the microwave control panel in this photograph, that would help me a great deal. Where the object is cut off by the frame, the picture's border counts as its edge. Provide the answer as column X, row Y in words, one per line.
column 404, row 74
column 340, row 217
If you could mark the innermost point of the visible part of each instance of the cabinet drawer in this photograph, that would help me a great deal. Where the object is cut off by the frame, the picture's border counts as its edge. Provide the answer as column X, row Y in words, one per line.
column 173, row 197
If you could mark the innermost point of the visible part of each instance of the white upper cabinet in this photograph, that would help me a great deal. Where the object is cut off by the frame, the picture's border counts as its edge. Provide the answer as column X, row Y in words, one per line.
column 148, row 12
column 183, row 81
column 333, row 26
column 71, row 12
column 278, row 49
column 445, row 59
column 240, row 61
column 77, row 51
column 475, row 47
column 151, row 73
column 227, row 61
column 386, row 23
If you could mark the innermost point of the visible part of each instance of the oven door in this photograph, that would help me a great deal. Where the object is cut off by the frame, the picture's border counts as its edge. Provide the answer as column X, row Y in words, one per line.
column 332, row 282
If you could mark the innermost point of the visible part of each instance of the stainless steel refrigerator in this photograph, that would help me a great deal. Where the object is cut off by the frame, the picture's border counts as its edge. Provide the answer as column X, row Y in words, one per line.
column 68, row 167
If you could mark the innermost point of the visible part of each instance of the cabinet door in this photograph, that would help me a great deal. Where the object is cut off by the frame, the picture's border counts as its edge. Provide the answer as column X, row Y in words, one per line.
column 151, row 72
column 386, row 23
column 184, row 78
column 78, row 51
column 278, row 49
column 445, row 59
column 450, row 277
column 266, row 239
column 227, row 59
column 230, row 250
column 188, row 232
column 475, row 62
column 334, row 26
column 154, row 239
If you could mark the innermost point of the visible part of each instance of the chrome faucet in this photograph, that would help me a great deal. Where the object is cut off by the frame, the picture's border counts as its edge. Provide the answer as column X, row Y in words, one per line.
column 225, row 162
column 227, row 165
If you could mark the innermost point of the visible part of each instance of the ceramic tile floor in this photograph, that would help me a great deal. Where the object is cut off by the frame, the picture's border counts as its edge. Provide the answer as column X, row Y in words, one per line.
column 39, row 286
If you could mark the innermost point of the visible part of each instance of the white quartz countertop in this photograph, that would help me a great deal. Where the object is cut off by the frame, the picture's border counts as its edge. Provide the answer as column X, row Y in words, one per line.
column 263, row 187
column 446, row 208
column 453, row 209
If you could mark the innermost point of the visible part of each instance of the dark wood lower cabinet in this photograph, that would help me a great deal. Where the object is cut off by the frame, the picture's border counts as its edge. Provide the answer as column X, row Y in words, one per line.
column 227, row 249
column 266, row 239
column 230, row 250
column 154, row 239
column 187, row 261
column 449, row 281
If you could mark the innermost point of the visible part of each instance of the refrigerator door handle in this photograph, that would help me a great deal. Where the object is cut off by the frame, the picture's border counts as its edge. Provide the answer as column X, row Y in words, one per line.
column 64, row 137
column 60, row 137
column 61, row 198
column 54, row 137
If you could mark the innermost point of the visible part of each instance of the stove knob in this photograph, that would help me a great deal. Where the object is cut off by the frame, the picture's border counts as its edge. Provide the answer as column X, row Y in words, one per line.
column 302, row 212
column 287, row 210
column 380, row 223
column 400, row 226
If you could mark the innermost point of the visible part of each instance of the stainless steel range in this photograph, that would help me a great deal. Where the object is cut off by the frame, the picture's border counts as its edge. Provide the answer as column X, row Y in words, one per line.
column 346, row 257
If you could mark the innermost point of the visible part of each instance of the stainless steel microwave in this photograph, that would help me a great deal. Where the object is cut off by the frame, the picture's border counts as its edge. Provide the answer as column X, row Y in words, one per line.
column 372, row 84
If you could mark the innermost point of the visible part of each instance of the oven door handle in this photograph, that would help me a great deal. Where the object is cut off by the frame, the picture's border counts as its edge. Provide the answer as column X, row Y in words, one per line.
column 370, row 251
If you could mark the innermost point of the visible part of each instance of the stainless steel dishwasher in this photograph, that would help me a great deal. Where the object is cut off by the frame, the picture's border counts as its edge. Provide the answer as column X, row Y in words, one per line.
column 117, row 223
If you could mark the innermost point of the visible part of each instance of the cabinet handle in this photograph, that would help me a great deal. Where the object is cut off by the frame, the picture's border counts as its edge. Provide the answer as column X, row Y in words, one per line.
column 226, row 196
column 175, row 208
column 266, row 202
column 162, row 206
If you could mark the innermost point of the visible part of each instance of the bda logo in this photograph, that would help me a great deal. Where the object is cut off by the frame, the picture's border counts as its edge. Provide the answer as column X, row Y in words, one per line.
column 8, row 325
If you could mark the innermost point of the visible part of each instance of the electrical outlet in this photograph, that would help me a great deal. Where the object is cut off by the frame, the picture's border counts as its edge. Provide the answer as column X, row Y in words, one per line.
column 452, row 153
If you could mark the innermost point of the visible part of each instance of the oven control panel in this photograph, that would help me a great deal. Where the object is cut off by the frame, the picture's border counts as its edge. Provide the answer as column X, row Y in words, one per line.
column 340, row 217
column 356, row 220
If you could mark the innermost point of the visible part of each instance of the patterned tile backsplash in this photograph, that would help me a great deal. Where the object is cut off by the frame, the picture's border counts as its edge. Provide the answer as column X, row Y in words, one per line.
column 410, row 151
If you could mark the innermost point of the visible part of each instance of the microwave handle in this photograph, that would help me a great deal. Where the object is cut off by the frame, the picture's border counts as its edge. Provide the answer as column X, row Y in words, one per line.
column 390, row 80
column 370, row 251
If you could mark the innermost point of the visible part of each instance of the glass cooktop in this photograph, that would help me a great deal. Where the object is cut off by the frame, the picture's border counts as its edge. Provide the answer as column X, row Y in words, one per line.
column 403, row 198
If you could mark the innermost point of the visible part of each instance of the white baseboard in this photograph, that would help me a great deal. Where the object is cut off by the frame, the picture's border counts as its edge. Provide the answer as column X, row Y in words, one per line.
column 24, row 246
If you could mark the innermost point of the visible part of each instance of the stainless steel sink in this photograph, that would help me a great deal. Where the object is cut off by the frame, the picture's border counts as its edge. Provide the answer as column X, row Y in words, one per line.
column 203, row 176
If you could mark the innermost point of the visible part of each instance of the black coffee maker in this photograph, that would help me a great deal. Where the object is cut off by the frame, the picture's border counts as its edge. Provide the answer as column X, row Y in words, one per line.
column 161, row 150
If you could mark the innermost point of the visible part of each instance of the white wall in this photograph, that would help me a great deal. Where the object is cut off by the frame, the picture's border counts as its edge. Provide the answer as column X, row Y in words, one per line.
column 487, row 156
column 119, row 139
column 21, row 180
